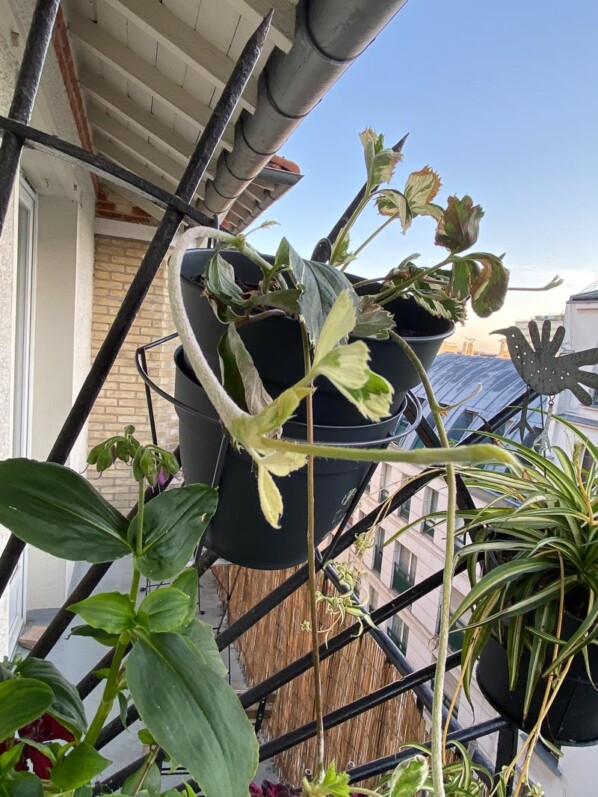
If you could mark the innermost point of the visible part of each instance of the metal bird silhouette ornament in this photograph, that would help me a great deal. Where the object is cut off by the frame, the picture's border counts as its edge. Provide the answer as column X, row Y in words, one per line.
column 543, row 370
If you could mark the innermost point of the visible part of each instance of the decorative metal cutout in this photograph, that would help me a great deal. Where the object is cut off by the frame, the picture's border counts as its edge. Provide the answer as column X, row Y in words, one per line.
column 543, row 370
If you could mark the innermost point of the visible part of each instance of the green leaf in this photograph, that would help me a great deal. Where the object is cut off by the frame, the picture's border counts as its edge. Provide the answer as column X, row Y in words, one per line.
column 373, row 321
column 240, row 377
column 461, row 276
column 22, row 700
column 286, row 299
column 173, row 524
column 270, row 497
column 321, row 284
column 202, row 636
column 151, row 784
column 78, row 767
column 459, row 226
column 420, row 189
column 113, row 612
column 103, row 637
column 380, row 161
column 26, row 784
column 220, row 281
column 409, row 777
column 10, row 757
column 165, row 609
column 489, row 288
column 346, row 367
column 58, row 511
column 391, row 202
column 123, row 706
column 193, row 714
column 188, row 582
column 67, row 707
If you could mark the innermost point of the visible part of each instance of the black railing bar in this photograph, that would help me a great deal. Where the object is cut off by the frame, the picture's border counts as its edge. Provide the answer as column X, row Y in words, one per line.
column 297, row 579
column 383, row 765
column 23, row 97
column 115, row 727
column 148, row 269
column 102, row 167
column 62, row 619
column 150, row 404
column 506, row 750
column 354, row 709
column 340, row 640
column 303, row 664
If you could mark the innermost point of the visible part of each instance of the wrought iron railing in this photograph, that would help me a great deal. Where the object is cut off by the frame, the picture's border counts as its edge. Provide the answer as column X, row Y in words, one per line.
column 17, row 134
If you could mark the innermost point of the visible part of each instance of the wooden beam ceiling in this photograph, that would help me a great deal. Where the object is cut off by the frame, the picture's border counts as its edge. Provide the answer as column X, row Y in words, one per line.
column 142, row 74
column 185, row 43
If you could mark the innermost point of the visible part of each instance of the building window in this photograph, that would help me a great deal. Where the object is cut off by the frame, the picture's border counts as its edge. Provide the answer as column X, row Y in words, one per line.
column 430, row 506
column 459, row 537
column 398, row 631
column 404, row 510
column 373, row 602
column 378, row 550
column 404, row 568
column 385, row 479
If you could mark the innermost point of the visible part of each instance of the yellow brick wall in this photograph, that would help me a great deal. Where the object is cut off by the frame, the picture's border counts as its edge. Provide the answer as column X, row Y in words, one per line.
column 122, row 400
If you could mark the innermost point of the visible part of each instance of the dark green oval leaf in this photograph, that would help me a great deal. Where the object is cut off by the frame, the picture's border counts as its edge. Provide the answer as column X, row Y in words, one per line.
column 202, row 636
column 113, row 612
column 67, row 707
column 22, row 700
column 193, row 714
column 188, row 582
column 79, row 767
column 103, row 637
column 172, row 526
column 58, row 511
column 165, row 609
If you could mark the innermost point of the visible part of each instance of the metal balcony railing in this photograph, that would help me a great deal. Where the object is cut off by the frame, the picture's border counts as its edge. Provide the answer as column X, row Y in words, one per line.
column 16, row 134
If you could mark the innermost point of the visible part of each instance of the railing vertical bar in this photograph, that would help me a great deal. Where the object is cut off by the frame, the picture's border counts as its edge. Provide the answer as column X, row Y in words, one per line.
column 27, row 84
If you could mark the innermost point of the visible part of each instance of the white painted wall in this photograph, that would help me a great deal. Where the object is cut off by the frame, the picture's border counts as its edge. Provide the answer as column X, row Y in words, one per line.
column 8, row 68
column 65, row 285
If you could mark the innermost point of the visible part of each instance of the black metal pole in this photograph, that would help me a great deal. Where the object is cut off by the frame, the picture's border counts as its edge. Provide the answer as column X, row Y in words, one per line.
column 383, row 765
column 508, row 744
column 28, row 79
column 354, row 709
column 147, row 270
column 325, row 243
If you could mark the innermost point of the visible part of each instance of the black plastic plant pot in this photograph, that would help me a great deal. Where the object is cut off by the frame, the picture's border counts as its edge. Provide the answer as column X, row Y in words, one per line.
column 573, row 717
column 239, row 532
column 276, row 347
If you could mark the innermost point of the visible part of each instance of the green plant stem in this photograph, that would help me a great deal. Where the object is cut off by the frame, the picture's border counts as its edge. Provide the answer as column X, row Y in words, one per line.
column 391, row 293
column 376, row 232
column 146, row 768
column 112, row 683
column 311, row 562
column 476, row 454
column 345, row 231
column 437, row 749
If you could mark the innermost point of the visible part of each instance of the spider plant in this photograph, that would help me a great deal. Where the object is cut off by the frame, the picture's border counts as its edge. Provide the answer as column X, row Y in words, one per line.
column 540, row 533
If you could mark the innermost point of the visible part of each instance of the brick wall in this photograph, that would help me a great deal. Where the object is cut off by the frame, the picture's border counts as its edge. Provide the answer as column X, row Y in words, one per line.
column 122, row 400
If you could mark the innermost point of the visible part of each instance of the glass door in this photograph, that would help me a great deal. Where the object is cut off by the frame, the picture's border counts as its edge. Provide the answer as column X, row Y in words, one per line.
column 21, row 415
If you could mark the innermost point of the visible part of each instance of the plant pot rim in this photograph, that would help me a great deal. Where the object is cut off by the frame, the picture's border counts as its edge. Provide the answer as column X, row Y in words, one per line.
column 408, row 338
column 181, row 365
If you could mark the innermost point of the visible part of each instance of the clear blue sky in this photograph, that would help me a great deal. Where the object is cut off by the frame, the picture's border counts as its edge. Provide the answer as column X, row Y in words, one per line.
column 501, row 98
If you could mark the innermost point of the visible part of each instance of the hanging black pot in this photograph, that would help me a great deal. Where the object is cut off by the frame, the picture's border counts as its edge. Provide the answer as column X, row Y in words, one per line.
column 276, row 347
column 239, row 531
column 573, row 717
